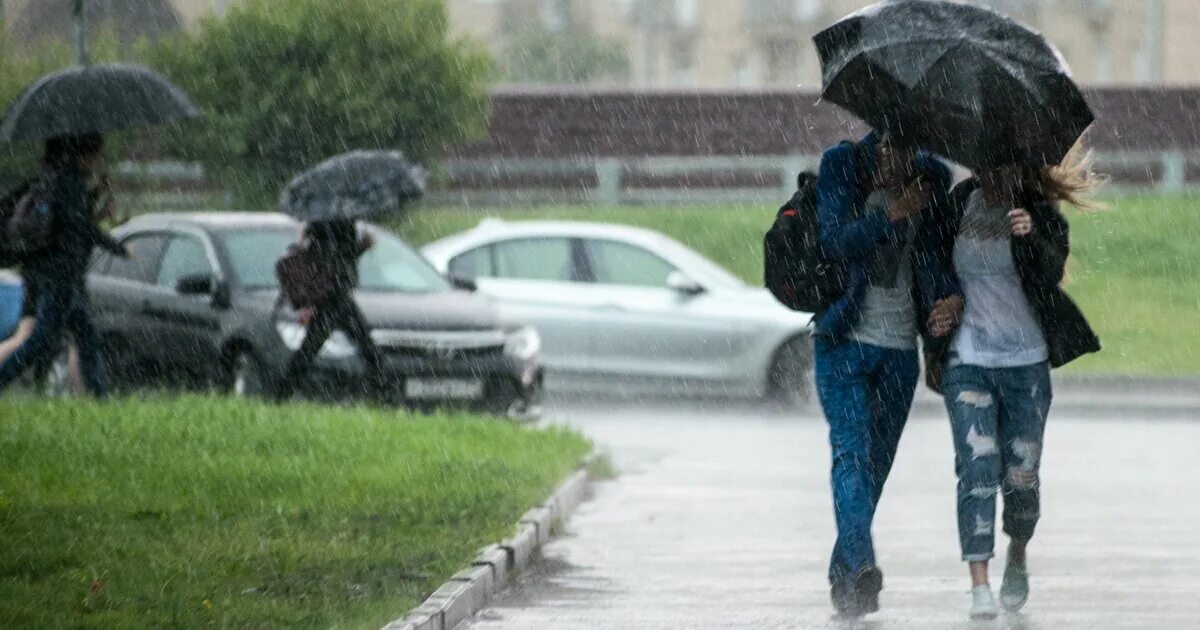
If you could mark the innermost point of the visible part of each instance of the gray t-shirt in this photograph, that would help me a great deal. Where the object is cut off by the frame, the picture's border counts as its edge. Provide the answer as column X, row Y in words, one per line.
column 999, row 327
column 887, row 314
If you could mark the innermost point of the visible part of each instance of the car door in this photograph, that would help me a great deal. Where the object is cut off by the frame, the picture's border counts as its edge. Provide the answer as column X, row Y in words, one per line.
column 120, row 288
column 536, row 280
column 644, row 329
column 189, row 325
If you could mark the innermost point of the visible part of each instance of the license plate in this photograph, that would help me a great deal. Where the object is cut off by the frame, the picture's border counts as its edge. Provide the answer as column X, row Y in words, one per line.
column 443, row 389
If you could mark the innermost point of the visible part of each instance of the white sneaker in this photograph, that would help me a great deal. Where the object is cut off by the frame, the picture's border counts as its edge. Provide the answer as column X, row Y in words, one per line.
column 983, row 603
column 1014, row 591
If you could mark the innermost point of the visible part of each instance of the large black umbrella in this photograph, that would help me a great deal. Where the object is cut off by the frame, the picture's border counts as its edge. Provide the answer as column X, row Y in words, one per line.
column 353, row 185
column 957, row 79
column 100, row 98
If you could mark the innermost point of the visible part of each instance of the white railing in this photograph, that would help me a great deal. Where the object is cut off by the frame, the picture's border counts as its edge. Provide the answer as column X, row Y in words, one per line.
column 612, row 181
column 1163, row 171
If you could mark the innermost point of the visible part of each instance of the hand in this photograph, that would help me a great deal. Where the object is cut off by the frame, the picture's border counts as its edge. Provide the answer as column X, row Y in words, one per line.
column 305, row 315
column 945, row 315
column 128, row 252
column 915, row 197
column 367, row 241
column 1020, row 222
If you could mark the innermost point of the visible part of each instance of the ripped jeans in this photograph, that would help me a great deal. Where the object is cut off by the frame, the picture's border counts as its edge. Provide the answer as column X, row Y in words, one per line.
column 998, row 417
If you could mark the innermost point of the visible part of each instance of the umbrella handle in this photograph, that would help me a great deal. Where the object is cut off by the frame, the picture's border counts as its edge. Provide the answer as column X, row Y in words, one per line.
column 81, row 54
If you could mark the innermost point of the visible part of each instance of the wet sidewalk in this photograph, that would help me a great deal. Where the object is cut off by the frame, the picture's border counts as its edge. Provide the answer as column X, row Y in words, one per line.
column 724, row 521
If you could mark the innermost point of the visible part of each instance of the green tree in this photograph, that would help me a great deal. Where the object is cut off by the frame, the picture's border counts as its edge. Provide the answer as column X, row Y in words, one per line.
column 539, row 55
column 287, row 84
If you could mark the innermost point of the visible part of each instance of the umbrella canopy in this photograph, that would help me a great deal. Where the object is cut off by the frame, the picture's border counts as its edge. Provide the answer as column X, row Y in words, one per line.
column 354, row 185
column 101, row 98
column 956, row 79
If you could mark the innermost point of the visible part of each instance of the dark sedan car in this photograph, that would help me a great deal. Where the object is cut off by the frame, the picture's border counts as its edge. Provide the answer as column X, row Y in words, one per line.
column 198, row 304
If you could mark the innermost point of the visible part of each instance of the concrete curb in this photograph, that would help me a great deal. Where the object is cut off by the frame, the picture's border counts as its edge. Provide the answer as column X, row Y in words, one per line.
column 472, row 589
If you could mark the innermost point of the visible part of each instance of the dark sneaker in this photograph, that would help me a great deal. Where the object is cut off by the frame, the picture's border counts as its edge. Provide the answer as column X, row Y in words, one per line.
column 845, row 604
column 867, row 585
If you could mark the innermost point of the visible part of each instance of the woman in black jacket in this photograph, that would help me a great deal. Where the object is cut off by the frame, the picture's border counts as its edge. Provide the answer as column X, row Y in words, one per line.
column 1009, row 242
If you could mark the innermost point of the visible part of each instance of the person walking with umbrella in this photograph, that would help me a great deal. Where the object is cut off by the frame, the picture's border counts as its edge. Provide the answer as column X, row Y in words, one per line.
column 56, row 273
column 994, row 95
column 878, row 203
column 69, row 110
column 331, row 197
column 105, row 204
column 333, row 246
column 1009, row 242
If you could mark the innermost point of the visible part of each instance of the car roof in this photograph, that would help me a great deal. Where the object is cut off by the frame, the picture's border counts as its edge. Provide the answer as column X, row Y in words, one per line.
column 213, row 220
column 492, row 229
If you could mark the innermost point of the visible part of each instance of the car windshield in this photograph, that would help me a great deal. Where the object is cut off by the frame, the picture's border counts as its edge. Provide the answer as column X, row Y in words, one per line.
column 389, row 266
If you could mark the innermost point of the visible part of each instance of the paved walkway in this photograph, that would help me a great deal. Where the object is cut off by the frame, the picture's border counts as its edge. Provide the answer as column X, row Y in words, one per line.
column 747, row 499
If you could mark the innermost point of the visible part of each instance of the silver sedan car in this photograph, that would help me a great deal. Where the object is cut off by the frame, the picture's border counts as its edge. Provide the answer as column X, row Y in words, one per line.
column 629, row 311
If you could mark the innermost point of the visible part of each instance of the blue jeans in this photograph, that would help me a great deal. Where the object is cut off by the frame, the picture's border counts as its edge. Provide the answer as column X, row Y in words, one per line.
column 998, row 417
column 866, row 392
column 61, row 306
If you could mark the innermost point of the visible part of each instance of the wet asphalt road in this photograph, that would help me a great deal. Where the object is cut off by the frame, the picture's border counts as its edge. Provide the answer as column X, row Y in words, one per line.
column 723, row 520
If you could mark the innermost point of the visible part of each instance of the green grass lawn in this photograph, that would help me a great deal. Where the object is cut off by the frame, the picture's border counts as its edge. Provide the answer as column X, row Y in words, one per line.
column 1135, row 267
column 207, row 512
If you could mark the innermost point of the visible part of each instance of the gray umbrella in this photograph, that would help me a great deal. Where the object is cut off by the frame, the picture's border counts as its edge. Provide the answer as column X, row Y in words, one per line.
column 957, row 79
column 354, row 185
column 100, row 98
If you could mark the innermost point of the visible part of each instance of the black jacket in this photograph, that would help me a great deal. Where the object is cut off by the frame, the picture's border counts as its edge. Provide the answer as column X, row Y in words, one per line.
column 336, row 246
column 75, row 232
column 1041, row 260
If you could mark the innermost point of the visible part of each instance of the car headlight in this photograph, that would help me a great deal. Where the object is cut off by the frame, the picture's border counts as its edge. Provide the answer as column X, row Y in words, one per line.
column 523, row 344
column 338, row 345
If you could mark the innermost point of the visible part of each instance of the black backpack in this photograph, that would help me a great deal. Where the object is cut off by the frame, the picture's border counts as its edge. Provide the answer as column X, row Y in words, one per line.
column 29, row 226
column 8, row 205
column 794, row 269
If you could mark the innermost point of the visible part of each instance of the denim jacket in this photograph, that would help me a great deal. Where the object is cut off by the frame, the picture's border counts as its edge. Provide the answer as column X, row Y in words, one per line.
column 849, row 237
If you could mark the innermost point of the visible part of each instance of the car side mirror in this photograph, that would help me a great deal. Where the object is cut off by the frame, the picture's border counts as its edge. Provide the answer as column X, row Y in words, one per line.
column 196, row 284
column 680, row 282
column 462, row 283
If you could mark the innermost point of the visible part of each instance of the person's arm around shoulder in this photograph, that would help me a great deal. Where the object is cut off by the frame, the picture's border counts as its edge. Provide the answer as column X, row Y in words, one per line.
column 842, row 237
column 942, row 279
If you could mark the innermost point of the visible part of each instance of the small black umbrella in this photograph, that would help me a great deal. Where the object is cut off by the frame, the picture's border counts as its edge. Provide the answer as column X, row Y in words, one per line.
column 957, row 79
column 101, row 98
column 353, row 185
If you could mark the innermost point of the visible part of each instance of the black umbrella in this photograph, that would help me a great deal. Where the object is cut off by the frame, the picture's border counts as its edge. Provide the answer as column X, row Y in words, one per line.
column 956, row 79
column 100, row 98
column 354, row 185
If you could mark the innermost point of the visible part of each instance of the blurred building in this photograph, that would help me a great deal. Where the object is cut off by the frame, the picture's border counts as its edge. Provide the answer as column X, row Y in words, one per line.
column 727, row 43
column 767, row 43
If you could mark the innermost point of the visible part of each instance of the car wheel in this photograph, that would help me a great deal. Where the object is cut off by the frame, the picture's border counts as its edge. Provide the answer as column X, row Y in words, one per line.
column 790, row 383
column 245, row 376
column 56, row 382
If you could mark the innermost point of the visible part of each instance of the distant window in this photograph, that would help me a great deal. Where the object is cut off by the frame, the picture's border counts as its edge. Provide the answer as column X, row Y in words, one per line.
column 534, row 259
column 806, row 10
column 686, row 13
column 184, row 256
column 146, row 250
column 620, row 263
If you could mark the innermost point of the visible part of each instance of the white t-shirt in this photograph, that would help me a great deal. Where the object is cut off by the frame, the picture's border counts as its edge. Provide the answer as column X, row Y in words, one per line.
column 887, row 314
column 999, row 327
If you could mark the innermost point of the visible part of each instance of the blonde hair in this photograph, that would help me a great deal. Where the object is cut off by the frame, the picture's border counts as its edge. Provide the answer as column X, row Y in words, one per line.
column 1073, row 180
